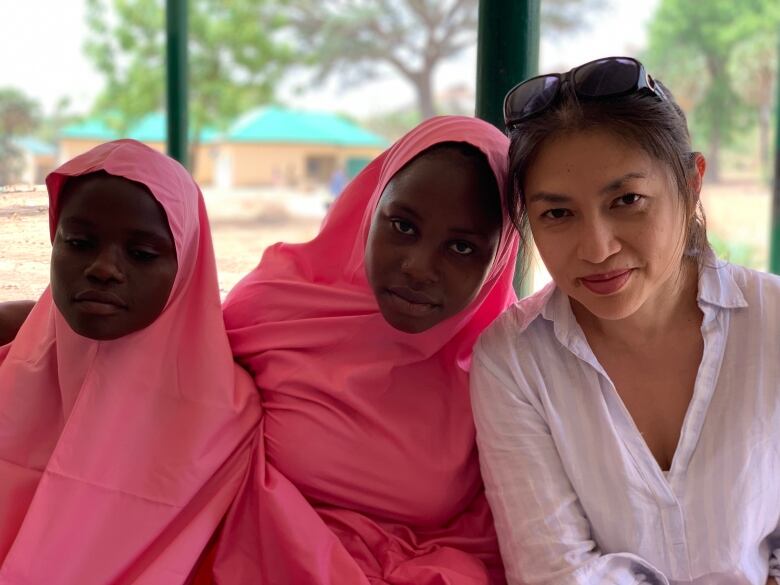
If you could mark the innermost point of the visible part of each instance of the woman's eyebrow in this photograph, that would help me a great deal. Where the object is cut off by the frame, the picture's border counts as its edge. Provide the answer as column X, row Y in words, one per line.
column 548, row 197
column 620, row 181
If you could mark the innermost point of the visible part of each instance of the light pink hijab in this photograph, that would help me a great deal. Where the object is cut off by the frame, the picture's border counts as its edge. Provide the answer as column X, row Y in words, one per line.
column 118, row 459
column 367, row 468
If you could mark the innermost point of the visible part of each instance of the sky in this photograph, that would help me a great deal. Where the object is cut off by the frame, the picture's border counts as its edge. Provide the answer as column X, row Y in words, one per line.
column 43, row 56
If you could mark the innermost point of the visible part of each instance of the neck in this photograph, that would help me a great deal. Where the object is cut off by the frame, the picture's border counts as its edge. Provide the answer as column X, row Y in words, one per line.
column 674, row 305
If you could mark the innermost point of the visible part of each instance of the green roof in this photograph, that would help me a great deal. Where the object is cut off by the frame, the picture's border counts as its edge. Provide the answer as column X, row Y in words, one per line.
column 274, row 124
column 35, row 145
column 150, row 128
column 92, row 129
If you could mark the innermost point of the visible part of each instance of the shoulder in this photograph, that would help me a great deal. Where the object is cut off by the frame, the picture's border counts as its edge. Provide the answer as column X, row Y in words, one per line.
column 761, row 290
column 520, row 332
column 12, row 316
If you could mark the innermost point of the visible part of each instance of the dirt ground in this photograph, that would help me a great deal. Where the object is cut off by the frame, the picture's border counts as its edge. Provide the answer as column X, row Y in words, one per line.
column 245, row 222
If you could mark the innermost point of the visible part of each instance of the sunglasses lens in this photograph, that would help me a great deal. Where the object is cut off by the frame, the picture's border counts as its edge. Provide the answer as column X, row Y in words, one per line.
column 607, row 77
column 532, row 96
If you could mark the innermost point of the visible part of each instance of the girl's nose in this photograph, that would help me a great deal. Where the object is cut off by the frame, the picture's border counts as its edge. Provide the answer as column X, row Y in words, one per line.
column 106, row 266
column 420, row 266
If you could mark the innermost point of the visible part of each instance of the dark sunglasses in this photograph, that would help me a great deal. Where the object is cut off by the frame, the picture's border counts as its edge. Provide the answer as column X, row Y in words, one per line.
column 607, row 77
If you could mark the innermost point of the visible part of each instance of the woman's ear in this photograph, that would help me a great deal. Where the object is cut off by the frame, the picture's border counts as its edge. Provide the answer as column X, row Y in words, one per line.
column 697, row 178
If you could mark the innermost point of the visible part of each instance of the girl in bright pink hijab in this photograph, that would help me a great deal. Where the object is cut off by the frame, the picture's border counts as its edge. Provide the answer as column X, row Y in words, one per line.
column 360, row 343
column 125, row 426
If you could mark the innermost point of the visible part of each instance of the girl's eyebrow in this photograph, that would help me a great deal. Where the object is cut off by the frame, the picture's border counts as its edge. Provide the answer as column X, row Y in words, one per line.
column 149, row 235
column 77, row 221
column 405, row 209
column 157, row 237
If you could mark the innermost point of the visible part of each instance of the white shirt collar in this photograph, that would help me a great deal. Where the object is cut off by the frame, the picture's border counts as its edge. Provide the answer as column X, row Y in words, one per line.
column 717, row 290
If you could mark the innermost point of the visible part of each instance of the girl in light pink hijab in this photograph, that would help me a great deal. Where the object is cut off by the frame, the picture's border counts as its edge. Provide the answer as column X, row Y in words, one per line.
column 125, row 426
column 360, row 342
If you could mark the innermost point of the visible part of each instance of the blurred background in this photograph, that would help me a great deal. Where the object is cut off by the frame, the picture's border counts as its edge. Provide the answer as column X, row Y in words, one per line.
column 289, row 99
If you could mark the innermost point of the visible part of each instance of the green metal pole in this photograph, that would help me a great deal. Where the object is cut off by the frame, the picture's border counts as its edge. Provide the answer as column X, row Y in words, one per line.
column 176, row 75
column 774, row 245
column 507, row 53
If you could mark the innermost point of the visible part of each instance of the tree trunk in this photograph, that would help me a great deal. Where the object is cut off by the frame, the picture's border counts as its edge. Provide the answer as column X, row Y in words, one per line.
column 192, row 152
column 423, row 85
column 713, row 158
column 764, row 121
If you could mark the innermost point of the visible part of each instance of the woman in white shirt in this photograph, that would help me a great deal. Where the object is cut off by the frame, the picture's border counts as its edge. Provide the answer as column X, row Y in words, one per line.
column 628, row 415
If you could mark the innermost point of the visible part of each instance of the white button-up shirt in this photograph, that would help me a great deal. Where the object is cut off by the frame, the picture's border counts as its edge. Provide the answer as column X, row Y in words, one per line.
column 578, row 497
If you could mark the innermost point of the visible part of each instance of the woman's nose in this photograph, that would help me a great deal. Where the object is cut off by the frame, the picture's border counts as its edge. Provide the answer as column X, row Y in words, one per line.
column 597, row 241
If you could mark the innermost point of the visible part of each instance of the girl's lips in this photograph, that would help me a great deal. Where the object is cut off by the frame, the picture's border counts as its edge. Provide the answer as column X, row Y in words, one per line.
column 410, row 303
column 608, row 282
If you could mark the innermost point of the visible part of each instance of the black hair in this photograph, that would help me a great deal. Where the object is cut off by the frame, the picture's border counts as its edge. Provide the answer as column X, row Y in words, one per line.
column 657, row 126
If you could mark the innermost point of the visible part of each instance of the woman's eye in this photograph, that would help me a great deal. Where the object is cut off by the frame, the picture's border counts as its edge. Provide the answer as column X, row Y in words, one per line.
column 627, row 199
column 403, row 227
column 462, row 248
column 558, row 213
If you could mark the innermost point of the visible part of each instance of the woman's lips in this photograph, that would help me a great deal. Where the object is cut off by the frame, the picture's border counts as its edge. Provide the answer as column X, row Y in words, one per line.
column 608, row 282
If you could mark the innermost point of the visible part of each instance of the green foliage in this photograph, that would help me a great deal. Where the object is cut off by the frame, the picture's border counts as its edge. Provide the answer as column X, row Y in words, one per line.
column 51, row 125
column 693, row 47
column 19, row 115
column 235, row 57
column 735, row 252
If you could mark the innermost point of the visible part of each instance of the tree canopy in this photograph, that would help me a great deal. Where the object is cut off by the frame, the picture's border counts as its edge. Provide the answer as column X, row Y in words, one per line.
column 19, row 115
column 360, row 40
column 693, row 46
column 235, row 59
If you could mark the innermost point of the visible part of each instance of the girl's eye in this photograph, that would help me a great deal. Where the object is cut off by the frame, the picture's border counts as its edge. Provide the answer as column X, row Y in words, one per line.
column 462, row 248
column 403, row 227
column 77, row 243
column 627, row 199
column 558, row 213
column 143, row 255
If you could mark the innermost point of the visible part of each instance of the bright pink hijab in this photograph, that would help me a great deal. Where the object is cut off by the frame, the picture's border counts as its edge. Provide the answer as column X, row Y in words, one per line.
column 367, row 468
column 118, row 459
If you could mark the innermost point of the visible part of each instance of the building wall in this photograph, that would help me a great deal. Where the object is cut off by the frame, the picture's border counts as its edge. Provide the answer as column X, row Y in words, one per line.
column 297, row 165
column 36, row 167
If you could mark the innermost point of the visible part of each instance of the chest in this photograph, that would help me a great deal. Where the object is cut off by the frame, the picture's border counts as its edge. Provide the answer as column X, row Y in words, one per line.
column 398, row 446
column 656, row 385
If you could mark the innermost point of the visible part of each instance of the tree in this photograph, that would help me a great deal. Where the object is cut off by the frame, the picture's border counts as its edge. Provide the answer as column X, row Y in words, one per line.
column 753, row 69
column 52, row 124
column 19, row 115
column 360, row 40
column 691, row 45
column 235, row 59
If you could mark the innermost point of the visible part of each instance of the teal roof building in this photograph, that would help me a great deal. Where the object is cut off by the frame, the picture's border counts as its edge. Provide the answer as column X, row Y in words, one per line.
column 280, row 125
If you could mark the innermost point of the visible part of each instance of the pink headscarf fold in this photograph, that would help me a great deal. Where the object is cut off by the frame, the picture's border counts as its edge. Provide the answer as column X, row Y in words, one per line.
column 367, row 468
column 118, row 459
